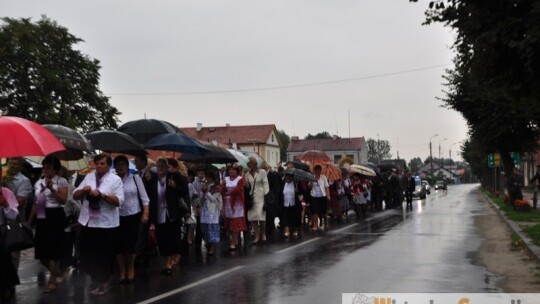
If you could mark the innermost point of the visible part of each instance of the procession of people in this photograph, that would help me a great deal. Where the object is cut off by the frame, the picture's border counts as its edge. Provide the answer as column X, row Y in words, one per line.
column 109, row 219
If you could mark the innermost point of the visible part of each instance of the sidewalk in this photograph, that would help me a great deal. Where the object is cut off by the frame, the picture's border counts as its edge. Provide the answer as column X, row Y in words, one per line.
column 517, row 227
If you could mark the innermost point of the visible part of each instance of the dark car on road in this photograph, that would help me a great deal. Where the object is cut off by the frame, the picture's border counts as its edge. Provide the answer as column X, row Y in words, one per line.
column 419, row 189
column 440, row 185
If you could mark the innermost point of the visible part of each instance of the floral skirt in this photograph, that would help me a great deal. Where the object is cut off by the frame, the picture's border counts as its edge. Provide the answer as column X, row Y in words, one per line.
column 210, row 233
column 236, row 224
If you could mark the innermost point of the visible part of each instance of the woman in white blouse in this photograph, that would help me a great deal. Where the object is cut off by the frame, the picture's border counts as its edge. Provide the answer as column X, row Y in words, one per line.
column 290, row 207
column 51, row 195
column 102, row 193
column 133, row 212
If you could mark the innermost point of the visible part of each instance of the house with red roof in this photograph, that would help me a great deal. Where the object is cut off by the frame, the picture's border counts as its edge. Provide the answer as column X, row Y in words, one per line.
column 336, row 147
column 261, row 139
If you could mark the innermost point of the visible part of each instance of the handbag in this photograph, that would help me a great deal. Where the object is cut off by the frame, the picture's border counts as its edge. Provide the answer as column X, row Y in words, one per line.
column 248, row 197
column 269, row 201
column 16, row 235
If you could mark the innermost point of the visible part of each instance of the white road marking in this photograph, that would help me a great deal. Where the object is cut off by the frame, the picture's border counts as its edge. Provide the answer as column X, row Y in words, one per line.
column 297, row 245
column 194, row 284
column 343, row 229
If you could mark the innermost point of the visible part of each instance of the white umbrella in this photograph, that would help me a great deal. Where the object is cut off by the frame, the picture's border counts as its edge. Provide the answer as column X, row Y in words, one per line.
column 361, row 169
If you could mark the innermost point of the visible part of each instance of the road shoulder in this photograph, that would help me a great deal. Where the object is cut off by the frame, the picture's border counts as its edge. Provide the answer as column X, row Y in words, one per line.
column 518, row 265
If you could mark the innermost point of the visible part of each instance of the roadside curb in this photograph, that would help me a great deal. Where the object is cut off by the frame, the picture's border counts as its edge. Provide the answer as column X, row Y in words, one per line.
column 533, row 249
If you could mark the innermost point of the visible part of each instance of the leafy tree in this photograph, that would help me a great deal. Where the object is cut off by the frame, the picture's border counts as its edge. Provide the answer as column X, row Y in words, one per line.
column 495, row 83
column 378, row 150
column 415, row 164
column 285, row 140
column 44, row 79
column 321, row 135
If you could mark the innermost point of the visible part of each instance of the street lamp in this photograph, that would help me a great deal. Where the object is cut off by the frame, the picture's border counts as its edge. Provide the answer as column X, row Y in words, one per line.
column 430, row 155
column 442, row 162
column 378, row 150
column 450, row 150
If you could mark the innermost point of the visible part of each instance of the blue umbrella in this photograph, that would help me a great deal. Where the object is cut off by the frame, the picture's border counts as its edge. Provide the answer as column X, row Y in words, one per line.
column 176, row 142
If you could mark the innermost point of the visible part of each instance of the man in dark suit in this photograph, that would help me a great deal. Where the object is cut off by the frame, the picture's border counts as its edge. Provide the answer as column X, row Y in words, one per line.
column 275, row 183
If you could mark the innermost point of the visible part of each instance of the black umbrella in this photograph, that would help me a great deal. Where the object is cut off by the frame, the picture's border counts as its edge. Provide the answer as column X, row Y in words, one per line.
column 300, row 165
column 74, row 142
column 114, row 141
column 142, row 130
column 300, row 174
column 176, row 142
column 217, row 155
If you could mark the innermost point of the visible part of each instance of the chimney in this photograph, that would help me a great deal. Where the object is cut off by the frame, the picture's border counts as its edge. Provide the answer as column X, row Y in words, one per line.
column 227, row 125
column 295, row 138
column 199, row 127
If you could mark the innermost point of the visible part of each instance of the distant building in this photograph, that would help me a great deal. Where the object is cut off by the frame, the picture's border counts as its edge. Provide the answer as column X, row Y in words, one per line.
column 261, row 139
column 337, row 148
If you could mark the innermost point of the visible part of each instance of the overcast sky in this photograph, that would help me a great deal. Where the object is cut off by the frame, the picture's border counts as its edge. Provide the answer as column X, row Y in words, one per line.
column 301, row 65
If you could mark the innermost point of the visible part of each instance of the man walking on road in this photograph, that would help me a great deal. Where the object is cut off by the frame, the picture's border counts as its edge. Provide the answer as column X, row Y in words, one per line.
column 411, row 184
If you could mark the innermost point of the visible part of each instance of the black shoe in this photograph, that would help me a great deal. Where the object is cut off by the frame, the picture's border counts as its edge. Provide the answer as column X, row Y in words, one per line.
column 167, row 271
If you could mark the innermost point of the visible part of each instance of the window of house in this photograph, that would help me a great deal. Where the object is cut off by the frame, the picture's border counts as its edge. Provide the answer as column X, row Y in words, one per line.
column 337, row 158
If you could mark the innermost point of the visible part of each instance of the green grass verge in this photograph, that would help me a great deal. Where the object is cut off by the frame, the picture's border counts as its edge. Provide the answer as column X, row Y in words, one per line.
column 534, row 233
column 532, row 216
column 518, row 216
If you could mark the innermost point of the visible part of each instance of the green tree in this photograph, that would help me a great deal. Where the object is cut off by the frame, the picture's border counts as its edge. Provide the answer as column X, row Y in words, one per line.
column 44, row 79
column 378, row 150
column 321, row 135
column 285, row 140
column 415, row 164
column 495, row 83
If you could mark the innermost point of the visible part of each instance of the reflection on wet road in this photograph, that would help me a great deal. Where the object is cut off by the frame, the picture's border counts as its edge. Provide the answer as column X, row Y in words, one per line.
column 430, row 248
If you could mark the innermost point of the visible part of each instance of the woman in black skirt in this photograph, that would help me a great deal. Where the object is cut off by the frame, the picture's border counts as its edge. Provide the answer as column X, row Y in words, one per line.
column 133, row 212
column 51, row 195
column 290, row 206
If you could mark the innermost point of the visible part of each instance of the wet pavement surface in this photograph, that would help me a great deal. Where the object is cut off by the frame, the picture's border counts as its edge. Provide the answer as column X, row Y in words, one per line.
column 431, row 248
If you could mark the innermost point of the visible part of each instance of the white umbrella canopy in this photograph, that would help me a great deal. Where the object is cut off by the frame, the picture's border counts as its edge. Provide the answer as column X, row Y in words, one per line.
column 361, row 169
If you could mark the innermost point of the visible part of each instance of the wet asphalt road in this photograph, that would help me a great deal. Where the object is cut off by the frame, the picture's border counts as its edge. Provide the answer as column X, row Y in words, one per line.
column 429, row 249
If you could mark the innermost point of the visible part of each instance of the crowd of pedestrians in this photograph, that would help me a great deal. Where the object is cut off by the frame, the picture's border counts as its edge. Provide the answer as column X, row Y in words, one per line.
column 108, row 221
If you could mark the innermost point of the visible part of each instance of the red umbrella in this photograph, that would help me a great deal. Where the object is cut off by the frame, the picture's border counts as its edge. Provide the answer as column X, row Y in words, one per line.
column 329, row 170
column 21, row 137
column 313, row 156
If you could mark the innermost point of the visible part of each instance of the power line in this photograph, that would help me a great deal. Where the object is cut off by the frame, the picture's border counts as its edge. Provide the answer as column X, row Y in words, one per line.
column 285, row 86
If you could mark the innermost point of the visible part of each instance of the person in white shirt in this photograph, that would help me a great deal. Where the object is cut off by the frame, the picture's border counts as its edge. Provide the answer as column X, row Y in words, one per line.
column 102, row 193
column 48, row 210
column 133, row 212
column 320, row 196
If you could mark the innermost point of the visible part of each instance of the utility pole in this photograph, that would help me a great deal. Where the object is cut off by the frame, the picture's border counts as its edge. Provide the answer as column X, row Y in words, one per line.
column 442, row 161
column 430, row 154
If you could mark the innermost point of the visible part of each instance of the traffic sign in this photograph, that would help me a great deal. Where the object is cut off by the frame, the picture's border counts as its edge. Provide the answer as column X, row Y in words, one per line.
column 515, row 158
column 494, row 160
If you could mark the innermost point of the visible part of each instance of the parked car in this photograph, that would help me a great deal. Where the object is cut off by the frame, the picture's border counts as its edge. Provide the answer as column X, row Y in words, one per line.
column 440, row 185
column 427, row 185
column 419, row 189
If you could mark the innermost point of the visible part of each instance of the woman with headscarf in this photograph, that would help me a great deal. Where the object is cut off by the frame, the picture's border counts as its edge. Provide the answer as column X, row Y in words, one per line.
column 102, row 193
column 51, row 195
column 258, row 182
column 133, row 212
column 166, row 192
column 8, row 274
column 233, row 203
